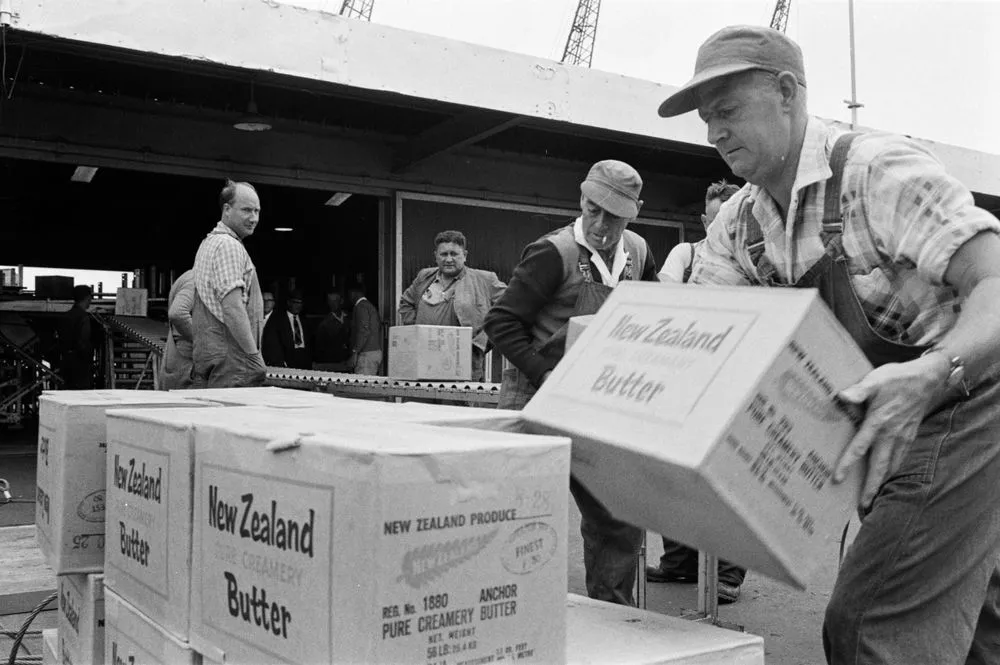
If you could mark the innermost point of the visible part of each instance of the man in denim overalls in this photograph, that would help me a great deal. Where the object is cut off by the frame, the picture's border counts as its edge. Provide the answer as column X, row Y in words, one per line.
column 228, row 313
column 911, row 267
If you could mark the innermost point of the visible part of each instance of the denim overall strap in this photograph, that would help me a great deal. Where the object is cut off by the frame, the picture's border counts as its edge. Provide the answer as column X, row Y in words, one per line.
column 767, row 274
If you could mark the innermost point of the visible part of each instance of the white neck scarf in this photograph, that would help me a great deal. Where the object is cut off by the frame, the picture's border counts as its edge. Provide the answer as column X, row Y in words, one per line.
column 608, row 277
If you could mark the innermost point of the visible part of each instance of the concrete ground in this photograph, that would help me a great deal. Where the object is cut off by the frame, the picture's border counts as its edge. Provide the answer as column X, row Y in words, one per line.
column 788, row 620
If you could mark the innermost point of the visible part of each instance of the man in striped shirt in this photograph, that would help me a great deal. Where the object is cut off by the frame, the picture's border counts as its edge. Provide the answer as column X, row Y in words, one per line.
column 911, row 267
column 228, row 310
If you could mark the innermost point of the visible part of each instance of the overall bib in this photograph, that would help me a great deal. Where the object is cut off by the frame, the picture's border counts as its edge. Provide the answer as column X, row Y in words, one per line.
column 219, row 362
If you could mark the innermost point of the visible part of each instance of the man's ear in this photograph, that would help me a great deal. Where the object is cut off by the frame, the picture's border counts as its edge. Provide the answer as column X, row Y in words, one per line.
column 788, row 87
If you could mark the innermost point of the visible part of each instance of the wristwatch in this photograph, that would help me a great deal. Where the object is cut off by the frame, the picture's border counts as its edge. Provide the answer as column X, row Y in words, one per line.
column 956, row 371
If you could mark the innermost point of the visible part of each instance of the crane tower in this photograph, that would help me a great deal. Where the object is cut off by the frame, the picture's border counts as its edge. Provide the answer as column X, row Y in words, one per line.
column 361, row 9
column 779, row 20
column 580, row 42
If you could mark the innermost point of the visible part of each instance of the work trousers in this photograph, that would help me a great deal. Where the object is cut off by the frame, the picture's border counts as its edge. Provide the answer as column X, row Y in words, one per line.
column 219, row 362
column 610, row 546
column 920, row 582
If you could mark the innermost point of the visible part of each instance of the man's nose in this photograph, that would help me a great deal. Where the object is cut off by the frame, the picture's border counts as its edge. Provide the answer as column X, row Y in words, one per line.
column 716, row 131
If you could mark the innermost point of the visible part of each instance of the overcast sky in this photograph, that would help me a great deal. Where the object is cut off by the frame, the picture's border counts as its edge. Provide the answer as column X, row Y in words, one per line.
column 928, row 68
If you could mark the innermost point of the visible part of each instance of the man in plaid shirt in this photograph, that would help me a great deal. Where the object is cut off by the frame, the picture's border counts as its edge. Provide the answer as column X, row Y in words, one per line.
column 228, row 312
column 911, row 268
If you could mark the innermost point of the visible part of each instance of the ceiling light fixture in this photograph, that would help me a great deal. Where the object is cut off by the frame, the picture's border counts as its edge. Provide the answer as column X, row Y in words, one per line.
column 338, row 198
column 83, row 174
column 252, row 121
column 282, row 229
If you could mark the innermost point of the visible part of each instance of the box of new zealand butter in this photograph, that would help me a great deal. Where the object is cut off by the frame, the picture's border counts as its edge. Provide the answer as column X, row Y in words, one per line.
column 70, row 494
column 378, row 542
column 708, row 415
column 131, row 638
column 81, row 619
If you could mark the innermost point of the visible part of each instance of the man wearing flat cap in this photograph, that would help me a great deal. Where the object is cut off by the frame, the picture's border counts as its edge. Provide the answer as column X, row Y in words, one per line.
column 566, row 273
column 911, row 267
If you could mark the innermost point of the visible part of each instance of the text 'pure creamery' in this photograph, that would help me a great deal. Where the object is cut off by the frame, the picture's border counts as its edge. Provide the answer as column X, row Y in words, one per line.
column 268, row 526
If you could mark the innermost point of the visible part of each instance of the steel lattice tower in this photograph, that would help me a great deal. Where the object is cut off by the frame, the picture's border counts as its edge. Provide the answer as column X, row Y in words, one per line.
column 580, row 42
column 780, row 18
column 361, row 9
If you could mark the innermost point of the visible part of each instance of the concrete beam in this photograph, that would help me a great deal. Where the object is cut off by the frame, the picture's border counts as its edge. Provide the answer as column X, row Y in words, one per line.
column 462, row 130
column 106, row 136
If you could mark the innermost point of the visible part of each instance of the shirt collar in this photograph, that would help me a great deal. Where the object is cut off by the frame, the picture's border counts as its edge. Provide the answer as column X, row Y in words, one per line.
column 608, row 276
column 814, row 159
column 221, row 228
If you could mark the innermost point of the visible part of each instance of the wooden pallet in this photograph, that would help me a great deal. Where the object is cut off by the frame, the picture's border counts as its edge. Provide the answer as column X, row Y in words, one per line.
column 25, row 578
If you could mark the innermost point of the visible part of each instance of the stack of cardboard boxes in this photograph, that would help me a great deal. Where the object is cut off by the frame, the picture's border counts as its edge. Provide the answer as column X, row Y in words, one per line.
column 70, row 508
column 316, row 530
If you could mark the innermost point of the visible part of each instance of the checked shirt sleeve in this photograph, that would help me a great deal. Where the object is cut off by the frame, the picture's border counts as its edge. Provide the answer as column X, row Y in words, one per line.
column 228, row 267
column 918, row 213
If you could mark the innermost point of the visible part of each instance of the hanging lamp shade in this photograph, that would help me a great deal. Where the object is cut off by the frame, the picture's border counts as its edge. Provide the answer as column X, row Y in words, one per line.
column 252, row 120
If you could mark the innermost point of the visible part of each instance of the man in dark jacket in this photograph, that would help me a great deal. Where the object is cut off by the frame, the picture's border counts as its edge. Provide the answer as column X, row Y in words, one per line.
column 75, row 343
column 332, row 350
column 284, row 339
column 566, row 273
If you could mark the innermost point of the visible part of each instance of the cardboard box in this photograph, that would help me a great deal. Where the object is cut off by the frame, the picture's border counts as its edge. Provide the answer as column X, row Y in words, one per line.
column 577, row 324
column 150, row 464
column 449, row 415
column 599, row 633
column 131, row 637
column 433, row 353
column 132, row 302
column 378, row 542
column 708, row 415
column 81, row 619
column 70, row 494
column 269, row 396
column 161, row 444
column 50, row 647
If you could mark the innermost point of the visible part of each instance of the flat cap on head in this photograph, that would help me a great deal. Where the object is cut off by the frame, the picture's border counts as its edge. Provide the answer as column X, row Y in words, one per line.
column 614, row 186
column 737, row 48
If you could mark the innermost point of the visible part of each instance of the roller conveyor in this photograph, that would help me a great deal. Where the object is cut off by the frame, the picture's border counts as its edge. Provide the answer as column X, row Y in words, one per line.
column 359, row 385
column 152, row 335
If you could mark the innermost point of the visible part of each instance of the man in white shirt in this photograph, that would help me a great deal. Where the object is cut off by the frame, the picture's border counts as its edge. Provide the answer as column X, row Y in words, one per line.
column 677, row 267
column 679, row 563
